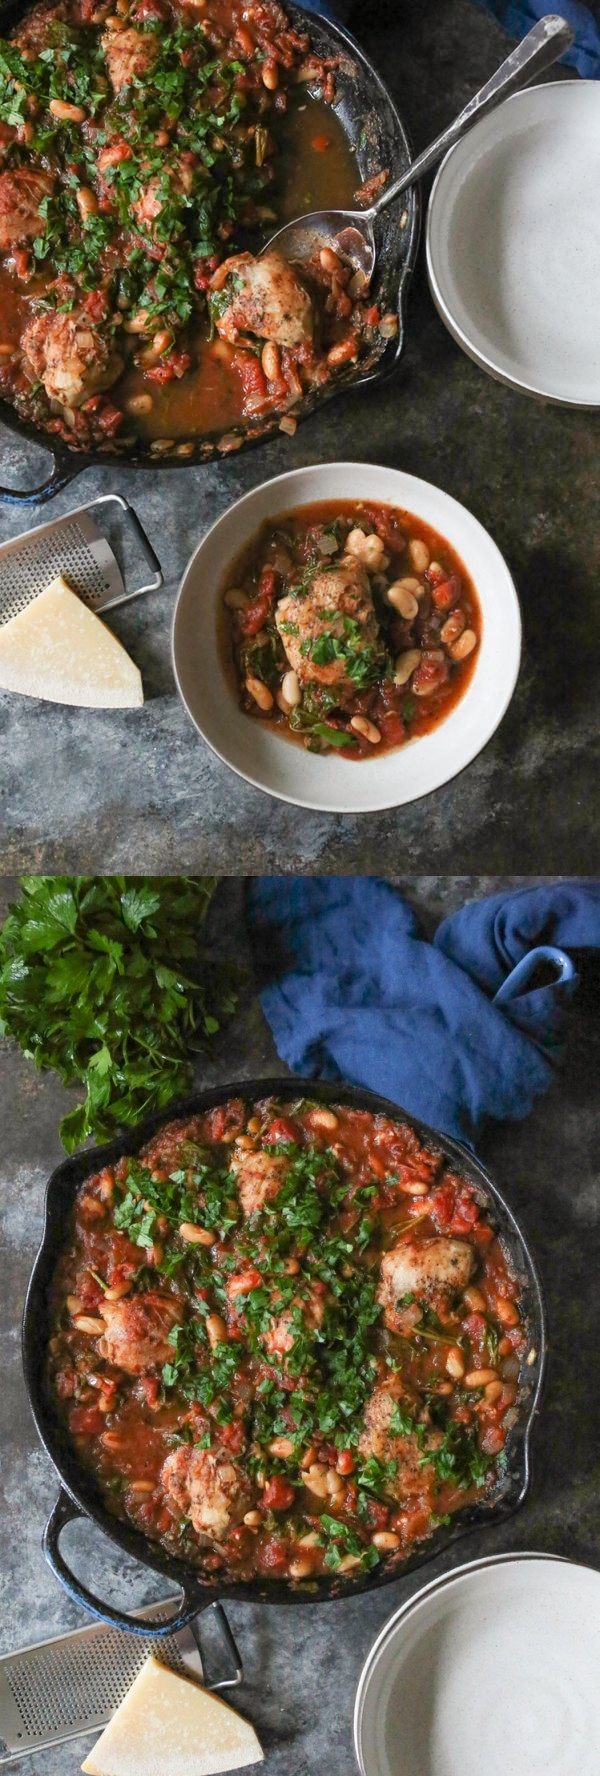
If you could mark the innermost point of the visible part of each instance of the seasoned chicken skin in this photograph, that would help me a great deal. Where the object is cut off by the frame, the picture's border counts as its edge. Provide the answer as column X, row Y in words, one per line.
column 431, row 1269
column 35, row 30
column 70, row 357
column 265, row 297
column 259, row 1176
column 301, row 1317
column 335, row 595
column 129, row 54
column 209, row 1489
column 21, row 193
column 137, row 1331
column 377, row 1439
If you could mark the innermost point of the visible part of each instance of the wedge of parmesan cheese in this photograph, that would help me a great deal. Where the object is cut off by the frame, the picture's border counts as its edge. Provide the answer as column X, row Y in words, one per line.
column 168, row 1726
column 59, row 650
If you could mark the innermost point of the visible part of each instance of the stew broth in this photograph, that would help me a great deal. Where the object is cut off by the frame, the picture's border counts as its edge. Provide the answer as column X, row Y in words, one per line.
column 147, row 151
column 286, row 1340
column 349, row 626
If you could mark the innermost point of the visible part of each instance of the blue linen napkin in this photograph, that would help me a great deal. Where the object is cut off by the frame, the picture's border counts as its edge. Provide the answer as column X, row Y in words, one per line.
column 354, row 991
column 517, row 16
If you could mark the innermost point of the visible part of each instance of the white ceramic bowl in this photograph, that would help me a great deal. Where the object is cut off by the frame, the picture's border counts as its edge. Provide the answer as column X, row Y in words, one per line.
column 255, row 749
column 513, row 242
column 491, row 1668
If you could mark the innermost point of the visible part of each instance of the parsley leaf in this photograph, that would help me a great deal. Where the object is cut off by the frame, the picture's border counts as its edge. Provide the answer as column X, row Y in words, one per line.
column 105, row 980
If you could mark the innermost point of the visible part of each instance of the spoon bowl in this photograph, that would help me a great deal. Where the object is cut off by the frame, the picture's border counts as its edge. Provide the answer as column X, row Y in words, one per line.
column 350, row 232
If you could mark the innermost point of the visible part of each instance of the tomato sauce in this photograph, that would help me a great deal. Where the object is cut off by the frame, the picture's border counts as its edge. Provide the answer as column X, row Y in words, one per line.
column 355, row 666
column 286, row 1339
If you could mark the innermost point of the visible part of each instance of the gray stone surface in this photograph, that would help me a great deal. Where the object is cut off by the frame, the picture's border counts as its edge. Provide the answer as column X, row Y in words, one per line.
column 140, row 790
column 302, row 1665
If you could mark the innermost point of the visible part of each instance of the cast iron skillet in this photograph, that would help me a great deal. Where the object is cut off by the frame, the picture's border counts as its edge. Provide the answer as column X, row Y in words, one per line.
column 79, row 1496
column 370, row 119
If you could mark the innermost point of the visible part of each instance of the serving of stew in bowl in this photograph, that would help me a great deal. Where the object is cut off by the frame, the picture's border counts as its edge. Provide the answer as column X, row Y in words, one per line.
column 287, row 1342
column 148, row 149
column 360, row 614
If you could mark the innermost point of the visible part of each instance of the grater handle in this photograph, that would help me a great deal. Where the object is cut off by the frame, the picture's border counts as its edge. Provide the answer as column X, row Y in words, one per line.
column 60, row 475
column 66, row 1511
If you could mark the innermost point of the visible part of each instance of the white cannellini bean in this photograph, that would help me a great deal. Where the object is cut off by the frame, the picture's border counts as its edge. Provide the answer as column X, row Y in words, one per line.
column 259, row 691
column 386, row 1540
column 464, row 646
column 216, row 1330
column 455, row 1363
column 419, row 555
column 323, row 1119
column 402, row 600
column 406, row 664
column 368, row 549
column 363, row 726
column 235, row 599
column 282, row 1446
column 290, row 688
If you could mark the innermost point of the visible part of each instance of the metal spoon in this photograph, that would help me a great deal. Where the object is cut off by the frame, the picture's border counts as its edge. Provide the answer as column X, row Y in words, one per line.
column 350, row 232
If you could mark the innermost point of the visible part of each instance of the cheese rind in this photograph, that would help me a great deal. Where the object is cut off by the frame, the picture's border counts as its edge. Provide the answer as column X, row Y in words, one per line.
column 167, row 1725
column 57, row 649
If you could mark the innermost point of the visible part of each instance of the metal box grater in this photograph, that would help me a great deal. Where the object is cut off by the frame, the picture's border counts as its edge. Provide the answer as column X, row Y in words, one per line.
column 64, row 1688
column 75, row 547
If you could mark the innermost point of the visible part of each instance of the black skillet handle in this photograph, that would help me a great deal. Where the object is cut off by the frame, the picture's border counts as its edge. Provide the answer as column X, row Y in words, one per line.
column 60, row 475
column 194, row 1596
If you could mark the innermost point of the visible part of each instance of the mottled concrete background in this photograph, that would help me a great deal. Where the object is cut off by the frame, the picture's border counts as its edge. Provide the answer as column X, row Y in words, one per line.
column 302, row 1665
column 139, row 790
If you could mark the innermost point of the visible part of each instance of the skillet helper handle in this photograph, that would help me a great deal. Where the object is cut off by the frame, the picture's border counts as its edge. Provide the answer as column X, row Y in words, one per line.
column 517, row 981
column 542, row 46
column 60, row 476
column 151, row 556
column 158, row 580
column 194, row 1599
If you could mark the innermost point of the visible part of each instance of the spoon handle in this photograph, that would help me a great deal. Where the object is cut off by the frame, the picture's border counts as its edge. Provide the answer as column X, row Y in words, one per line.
column 550, row 37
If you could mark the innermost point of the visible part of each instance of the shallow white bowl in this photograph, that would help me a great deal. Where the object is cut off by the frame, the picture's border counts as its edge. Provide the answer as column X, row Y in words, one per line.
column 253, row 748
column 513, row 242
column 492, row 1668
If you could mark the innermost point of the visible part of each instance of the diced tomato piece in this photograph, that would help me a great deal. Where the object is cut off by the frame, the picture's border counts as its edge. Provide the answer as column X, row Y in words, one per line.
column 151, row 1387
column 278, row 1495
column 282, row 1129
column 243, row 1283
column 442, row 1204
column 253, row 619
column 150, row 9
column 345, row 1462
column 475, row 1326
column 109, row 418
column 255, row 393
column 273, row 1554
column 226, row 1119
column 493, row 1440
column 445, row 593
column 377, row 1513
column 86, row 1421
column 392, row 728
column 233, row 1436
column 96, row 305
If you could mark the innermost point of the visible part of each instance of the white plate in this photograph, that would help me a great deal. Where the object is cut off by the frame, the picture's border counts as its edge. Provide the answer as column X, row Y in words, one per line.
column 493, row 1668
column 513, row 242
column 254, row 749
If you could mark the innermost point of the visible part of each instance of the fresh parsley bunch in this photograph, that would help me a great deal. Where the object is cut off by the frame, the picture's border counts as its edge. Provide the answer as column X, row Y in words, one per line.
column 106, row 980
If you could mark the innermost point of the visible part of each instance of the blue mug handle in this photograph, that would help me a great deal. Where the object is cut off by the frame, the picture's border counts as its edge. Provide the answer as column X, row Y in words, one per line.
column 519, row 976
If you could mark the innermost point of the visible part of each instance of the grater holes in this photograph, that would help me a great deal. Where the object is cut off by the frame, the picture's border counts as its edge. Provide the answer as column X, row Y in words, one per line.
column 31, row 566
column 62, row 1687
